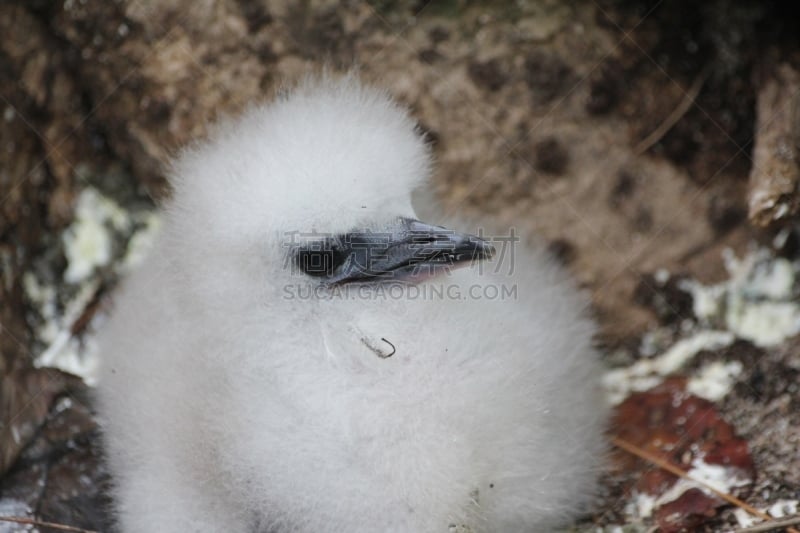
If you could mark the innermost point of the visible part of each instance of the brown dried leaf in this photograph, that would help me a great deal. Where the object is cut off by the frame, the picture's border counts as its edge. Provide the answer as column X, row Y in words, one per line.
column 681, row 428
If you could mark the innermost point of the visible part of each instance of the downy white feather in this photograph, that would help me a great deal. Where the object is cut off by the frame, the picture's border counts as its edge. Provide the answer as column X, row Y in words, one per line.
column 237, row 398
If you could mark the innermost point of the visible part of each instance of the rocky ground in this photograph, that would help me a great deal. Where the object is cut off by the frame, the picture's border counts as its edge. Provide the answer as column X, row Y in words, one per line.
column 652, row 146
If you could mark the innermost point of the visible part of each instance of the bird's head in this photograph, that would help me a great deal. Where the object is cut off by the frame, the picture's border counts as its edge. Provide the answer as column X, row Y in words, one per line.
column 318, row 184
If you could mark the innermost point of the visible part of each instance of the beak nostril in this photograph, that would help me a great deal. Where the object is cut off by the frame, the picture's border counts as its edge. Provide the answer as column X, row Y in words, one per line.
column 425, row 238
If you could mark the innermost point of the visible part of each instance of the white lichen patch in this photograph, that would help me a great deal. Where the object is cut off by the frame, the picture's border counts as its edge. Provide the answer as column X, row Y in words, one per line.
column 63, row 350
column 714, row 380
column 42, row 296
column 721, row 478
column 779, row 509
column 88, row 240
column 783, row 508
column 647, row 373
column 763, row 323
column 744, row 519
column 641, row 506
column 705, row 300
column 757, row 303
column 141, row 241
column 89, row 244
column 76, row 356
column 703, row 475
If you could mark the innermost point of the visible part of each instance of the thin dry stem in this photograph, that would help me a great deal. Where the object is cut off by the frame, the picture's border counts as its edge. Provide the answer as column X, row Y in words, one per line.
column 41, row 523
column 673, row 118
column 771, row 526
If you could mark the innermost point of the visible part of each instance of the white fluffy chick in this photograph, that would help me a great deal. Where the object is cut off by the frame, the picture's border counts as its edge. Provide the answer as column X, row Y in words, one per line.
column 297, row 355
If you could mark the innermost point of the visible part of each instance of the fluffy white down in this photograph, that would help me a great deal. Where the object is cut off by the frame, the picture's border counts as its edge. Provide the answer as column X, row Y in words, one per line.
column 230, row 406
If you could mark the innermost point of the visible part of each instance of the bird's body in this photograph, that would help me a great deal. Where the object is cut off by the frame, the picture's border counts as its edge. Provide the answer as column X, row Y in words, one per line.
column 244, row 392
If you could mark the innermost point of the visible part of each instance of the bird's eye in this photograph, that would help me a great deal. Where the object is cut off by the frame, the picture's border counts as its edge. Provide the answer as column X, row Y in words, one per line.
column 319, row 262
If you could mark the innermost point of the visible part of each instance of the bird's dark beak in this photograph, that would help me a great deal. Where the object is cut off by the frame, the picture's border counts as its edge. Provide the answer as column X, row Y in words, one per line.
column 408, row 250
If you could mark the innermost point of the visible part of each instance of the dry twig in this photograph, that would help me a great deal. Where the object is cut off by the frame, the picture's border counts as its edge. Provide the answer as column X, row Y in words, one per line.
column 40, row 523
column 771, row 526
column 673, row 118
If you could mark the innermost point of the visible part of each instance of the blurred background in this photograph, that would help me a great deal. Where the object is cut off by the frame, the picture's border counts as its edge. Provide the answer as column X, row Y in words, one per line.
column 651, row 145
